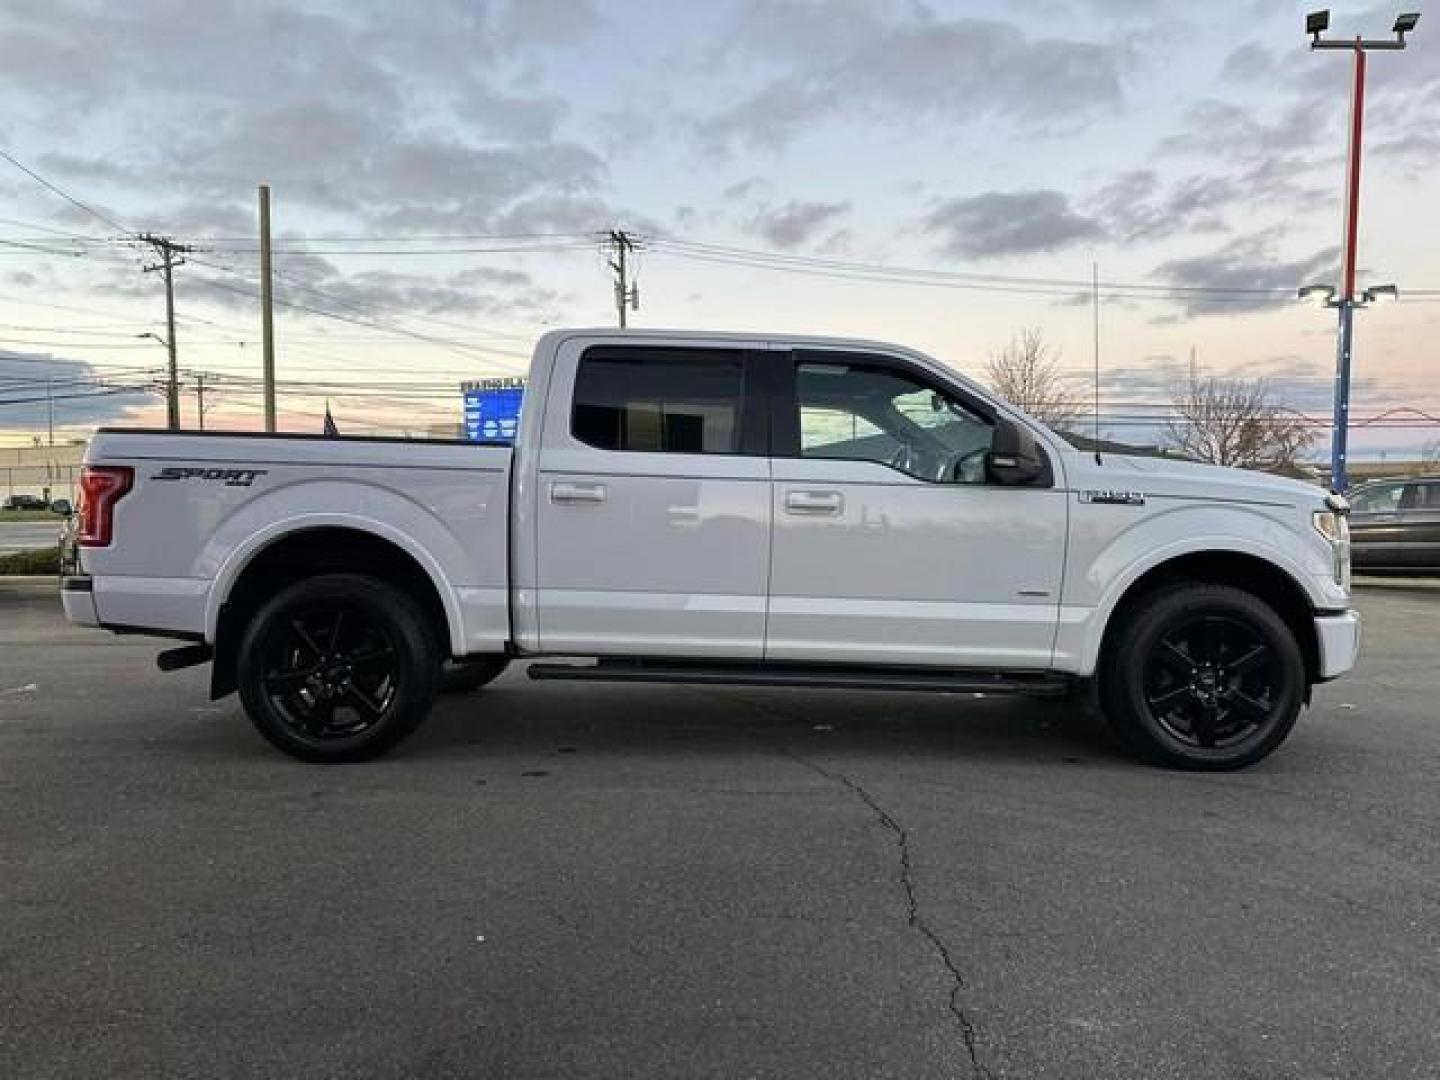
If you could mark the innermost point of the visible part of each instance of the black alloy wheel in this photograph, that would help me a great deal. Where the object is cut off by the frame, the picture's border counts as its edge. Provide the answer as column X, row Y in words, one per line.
column 1202, row 676
column 330, row 671
column 1212, row 681
column 338, row 668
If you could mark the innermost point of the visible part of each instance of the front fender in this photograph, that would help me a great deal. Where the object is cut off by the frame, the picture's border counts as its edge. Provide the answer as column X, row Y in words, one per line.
column 1105, row 564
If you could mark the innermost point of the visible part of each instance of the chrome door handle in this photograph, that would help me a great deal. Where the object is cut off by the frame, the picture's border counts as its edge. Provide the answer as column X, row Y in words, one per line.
column 566, row 491
column 814, row 502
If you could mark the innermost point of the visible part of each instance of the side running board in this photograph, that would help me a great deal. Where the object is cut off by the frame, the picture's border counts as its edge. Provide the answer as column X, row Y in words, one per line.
column 816, row 676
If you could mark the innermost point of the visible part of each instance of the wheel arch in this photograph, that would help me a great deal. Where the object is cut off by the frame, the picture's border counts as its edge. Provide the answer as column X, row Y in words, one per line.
column 274, row 562
column 1252, row 573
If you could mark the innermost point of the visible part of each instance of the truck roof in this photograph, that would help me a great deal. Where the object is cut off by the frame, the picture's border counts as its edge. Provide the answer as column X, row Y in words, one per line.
column 768, row 336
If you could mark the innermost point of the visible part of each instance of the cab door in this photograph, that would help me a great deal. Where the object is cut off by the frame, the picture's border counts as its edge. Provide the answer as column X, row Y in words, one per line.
column 652, row 503
column 1376, row 529
column 1420, row 526
column 890, row 545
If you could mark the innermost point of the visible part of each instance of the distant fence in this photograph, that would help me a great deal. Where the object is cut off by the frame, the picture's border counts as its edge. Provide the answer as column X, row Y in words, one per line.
column 50, row 480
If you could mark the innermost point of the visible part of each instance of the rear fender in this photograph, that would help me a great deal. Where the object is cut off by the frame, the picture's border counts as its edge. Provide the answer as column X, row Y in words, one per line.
column 386, row 515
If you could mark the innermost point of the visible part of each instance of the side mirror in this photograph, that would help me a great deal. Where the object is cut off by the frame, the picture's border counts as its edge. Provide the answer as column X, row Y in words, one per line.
column 1015, row 457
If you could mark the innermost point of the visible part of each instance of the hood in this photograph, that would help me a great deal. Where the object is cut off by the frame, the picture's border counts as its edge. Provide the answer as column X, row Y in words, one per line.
column 1186, row 479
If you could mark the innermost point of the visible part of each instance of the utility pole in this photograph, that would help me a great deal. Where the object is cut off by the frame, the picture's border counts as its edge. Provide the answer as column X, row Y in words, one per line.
column 200, row 398
column 267, row 309
column 1316, row 24
column 50, row 408
column 169, row 252
column 626, row 292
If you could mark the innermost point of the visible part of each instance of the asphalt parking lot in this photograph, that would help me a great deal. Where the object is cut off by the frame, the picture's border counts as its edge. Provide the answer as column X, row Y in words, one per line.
column 559, row 880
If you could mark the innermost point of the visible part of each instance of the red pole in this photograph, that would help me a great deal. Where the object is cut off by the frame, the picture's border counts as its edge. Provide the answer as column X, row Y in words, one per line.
column 1352, row 198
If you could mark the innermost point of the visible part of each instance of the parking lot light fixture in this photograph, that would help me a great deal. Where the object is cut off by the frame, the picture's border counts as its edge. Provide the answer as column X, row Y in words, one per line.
column 1376, row 293
column 1316, row 23
column 1319, row 295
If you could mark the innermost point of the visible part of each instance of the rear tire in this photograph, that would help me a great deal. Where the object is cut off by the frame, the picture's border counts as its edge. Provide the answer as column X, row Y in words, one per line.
column 339, row 667
column 462, row 676
column 1203, row 677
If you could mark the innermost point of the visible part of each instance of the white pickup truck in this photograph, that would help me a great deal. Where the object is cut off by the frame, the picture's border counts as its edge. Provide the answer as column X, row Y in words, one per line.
column 721, row 508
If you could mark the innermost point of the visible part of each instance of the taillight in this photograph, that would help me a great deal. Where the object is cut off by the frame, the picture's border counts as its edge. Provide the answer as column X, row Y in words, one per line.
column 101, row 487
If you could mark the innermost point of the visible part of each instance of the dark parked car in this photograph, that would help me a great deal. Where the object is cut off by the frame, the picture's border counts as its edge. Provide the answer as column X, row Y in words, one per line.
column 1395, row 525
column 25, row 502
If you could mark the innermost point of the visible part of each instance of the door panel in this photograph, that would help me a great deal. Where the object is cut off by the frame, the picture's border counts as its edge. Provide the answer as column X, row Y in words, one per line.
column 652, row 505
column 1376, row 538
column 909, row 572
column 1376, row 531
column 889, row 544
column 1419, row 538
column 663, row 564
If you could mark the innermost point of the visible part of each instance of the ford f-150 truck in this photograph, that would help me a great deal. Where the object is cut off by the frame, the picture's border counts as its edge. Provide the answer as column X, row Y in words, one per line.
column 726, row 509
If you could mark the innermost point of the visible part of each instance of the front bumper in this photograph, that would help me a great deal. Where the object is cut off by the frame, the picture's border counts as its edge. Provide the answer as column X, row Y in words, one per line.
column 1338, row 634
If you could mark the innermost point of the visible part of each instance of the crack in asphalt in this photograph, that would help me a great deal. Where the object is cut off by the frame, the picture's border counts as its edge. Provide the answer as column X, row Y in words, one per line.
column 914, row 918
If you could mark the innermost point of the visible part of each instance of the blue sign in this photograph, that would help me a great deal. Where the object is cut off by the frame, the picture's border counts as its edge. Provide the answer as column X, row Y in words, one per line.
column 492, row 412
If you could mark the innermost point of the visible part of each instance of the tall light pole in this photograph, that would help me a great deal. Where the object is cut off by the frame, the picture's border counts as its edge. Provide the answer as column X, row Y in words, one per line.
column 1316, row 23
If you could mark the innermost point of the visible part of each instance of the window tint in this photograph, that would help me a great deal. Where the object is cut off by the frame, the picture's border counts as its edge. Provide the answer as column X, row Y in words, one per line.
column 1378, row 500
column 679, row 401
column 875, row 413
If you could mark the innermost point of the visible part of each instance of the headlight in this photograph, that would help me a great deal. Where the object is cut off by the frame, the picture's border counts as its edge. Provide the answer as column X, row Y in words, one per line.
column 1334, row 526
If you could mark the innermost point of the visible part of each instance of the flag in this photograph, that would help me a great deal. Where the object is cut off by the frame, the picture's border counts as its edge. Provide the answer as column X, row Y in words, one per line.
column 330, row 429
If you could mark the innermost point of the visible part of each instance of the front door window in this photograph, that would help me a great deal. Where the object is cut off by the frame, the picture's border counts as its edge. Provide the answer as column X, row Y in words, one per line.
column 863, row 412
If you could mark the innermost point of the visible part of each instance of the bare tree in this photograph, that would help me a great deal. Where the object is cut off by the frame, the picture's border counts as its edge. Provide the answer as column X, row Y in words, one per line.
column 1027, row 372
column 1430, row 455
column 1234, row 422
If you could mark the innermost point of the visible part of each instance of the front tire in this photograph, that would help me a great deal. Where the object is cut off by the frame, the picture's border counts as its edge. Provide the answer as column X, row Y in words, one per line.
column 1204, row 677
column 339, row 667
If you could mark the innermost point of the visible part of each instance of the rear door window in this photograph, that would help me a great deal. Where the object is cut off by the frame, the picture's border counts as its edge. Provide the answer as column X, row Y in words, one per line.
column 658, row 400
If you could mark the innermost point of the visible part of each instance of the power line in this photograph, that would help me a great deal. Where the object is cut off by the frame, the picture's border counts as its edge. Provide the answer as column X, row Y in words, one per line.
column 112, row 392
column 454, row 346
column 332, row 252
column 22, row 248
column 63, row 193
column 408, row 238
column 1075, row 284
column 67, row 233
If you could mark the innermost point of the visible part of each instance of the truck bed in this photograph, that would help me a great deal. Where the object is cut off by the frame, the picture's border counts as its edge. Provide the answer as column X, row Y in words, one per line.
column 202, row 504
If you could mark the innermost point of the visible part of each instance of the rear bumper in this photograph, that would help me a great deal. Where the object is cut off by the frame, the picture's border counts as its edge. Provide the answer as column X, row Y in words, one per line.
column 77, row 597
column 1339, row 636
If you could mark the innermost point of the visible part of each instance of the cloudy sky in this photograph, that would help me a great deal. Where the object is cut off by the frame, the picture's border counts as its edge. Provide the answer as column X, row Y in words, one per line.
column 440, row 170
